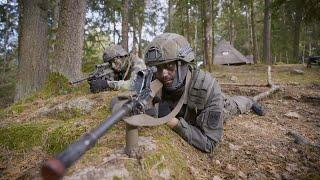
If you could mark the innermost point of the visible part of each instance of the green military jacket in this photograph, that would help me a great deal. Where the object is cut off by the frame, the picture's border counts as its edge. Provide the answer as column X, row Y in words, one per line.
column 201, row 118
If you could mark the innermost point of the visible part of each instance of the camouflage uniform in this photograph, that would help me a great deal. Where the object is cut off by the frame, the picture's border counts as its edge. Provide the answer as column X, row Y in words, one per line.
column 134, row 64
column 129, row 65
column 201, row 118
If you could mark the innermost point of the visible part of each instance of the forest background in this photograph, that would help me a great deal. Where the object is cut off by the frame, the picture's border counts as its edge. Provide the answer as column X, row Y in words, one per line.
column 39, row 38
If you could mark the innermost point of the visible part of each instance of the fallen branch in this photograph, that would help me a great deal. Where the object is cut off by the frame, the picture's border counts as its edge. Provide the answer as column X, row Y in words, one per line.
column 310, row 98
column 247, row 85
column 273, row 89
column 299, row 139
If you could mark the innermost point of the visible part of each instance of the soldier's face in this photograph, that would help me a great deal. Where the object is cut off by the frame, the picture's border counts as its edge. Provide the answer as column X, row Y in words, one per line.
column 166, row 73
column 116, row 64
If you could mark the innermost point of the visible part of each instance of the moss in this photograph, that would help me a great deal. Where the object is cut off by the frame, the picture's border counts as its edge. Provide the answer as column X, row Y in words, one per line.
column 56, row 85
column 18, row 108
column 62, row 136
column 116, row 178
column 22, row 136
column 14, row 109
column 167, row 156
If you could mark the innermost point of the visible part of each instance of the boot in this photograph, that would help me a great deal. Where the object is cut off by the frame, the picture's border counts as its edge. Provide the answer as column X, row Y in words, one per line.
column 258, row 109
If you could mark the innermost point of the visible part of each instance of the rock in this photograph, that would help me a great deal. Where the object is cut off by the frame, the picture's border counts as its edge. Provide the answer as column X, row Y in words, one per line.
column 216, row 178
column 234, row 147
column 242, row 175
column 292, row 114
column 294, row 83
column 165, row 174
column 297, row 71
column 291, row 167
column 105, row 172
column 294, row 150
column 146, row 144
column 286, row 176
column 230, row 167
column 83, row 104
column 234, row 78
column 43, row 111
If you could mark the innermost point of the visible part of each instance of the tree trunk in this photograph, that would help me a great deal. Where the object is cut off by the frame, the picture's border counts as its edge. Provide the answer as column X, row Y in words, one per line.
column 140, row 38
column 114, row 26
column 231, row 23
column 208, row 33
column 196, row 32
column 188, row 33
column 5, row 39
column 54, row 28
column 70, row 38
column 33, row 47
column 125, row 26
column 203, row 22
column 212, row 26
column 134, row 40
column 267, row 33
column 253, row 32
column 169, row 15
column 296, row 32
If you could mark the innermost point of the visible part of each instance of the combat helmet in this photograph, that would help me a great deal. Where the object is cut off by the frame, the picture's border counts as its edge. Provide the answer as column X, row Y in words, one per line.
column 169, row 47
column 113, row 51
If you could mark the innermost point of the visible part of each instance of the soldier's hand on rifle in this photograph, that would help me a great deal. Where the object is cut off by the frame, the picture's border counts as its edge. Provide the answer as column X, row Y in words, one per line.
column 113, row 85
column 173, row 122
column 98, row 85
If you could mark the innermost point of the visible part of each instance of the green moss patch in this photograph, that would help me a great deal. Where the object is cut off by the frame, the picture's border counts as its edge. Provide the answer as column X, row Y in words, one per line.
column 56, row 85
column 15, row 109
column 22, row 136
column 61, row 137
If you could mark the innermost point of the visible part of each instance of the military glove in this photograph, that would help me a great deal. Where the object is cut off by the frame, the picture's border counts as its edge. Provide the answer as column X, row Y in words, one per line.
column 98, row 85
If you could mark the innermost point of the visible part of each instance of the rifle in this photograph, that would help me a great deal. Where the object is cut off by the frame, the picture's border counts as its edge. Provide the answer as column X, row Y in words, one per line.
column 101, row 71
column 55, row 168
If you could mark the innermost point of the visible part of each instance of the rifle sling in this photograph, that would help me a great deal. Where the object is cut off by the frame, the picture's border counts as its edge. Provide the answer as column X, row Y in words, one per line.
column 146, row 120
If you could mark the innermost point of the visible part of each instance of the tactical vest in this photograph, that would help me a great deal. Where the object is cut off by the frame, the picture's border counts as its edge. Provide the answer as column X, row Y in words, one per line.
column 200, row 89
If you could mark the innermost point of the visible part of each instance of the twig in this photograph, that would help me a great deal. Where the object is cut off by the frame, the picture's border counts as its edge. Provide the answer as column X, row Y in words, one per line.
column 249, row 85
column 299, row 139
column 273, row 89
column 269, row 77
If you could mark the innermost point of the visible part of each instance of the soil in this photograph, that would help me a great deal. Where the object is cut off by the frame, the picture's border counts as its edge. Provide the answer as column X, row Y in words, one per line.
column 253, row 147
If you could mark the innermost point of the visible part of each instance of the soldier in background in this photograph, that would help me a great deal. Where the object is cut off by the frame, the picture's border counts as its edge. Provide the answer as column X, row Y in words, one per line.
column 124, row 68
column 200, row 120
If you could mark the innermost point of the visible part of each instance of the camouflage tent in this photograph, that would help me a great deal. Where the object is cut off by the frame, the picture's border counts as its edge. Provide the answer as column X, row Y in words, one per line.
column 226, row 54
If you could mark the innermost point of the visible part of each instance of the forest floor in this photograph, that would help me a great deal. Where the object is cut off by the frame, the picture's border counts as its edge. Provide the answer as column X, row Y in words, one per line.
column 253, row 147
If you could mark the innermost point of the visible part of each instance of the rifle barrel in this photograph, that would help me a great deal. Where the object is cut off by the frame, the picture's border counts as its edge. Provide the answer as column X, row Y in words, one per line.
column 55, row 168
column 78, row 81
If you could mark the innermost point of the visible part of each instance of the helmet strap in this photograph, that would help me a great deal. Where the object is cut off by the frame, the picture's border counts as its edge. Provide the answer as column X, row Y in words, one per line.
column 179, row 78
